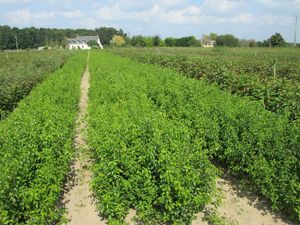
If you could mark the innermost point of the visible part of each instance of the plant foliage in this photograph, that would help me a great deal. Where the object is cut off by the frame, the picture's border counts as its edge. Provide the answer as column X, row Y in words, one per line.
column 20, row 72
column 36, row 148
column 151, row 131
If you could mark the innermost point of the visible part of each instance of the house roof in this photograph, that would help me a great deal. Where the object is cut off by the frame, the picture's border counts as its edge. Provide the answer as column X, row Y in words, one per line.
column 82, row 39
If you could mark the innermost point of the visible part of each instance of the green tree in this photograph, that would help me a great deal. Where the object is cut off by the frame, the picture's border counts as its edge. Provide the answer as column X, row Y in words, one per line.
column 187, row 41
column 35, row 37
column 212, row 36
column 149, row 41
column 227, row 40
column 170, row 42
column 277, row 40
column 7, row 38
column 156, row 41
column 138, row 41
column 106, row 34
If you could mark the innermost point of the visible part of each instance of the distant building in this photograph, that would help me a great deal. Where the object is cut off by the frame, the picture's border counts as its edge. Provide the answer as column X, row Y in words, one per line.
column 209, row 43
column 81, row 42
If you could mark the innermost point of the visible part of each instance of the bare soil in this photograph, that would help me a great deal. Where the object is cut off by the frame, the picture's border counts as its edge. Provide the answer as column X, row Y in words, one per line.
column 244, row 207
column 239, row 206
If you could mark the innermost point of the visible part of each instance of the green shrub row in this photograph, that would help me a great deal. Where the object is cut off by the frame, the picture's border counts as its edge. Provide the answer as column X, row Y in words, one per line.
column 36, row 148
column 143, row 159
column 239, row 133
column 256, row 61
column 20, row 72
column 239, row 74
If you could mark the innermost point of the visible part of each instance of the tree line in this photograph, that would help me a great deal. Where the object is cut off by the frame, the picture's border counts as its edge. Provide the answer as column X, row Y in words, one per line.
column 30, row 38
column 225, row 40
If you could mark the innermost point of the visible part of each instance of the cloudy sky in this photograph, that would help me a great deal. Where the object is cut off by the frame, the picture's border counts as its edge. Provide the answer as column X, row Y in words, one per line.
column 256, row 19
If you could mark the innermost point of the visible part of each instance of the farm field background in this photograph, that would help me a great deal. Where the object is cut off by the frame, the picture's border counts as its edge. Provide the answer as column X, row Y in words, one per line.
column 237, row 132
column 21, row 71
column 155, row 135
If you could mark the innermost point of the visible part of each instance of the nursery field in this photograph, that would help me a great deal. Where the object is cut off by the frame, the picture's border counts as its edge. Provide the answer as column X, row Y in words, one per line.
column 36, row 148
column 154, row 132
column 157, row 142
column 269, row 76
column 21, row 71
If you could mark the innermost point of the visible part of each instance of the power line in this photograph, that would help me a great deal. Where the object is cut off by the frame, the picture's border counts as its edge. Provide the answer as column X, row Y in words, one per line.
column 295, row 32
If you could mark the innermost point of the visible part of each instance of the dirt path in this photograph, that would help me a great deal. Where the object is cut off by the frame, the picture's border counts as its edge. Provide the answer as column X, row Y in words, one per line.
column 241, row 207
column 78, row 200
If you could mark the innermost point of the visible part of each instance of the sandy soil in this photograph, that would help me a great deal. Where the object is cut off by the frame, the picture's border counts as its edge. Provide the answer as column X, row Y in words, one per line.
column 242, row 207
column 129, row 218
column 80, row 205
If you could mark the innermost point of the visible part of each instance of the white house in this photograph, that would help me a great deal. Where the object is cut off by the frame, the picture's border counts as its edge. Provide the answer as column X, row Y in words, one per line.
column 209, row 43
column 81, row 42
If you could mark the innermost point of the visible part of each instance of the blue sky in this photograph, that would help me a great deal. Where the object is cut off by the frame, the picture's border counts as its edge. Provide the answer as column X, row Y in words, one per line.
column 257, row 19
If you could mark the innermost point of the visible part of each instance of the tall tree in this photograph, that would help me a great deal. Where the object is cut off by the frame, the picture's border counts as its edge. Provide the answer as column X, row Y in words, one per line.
column 187, row 41
column 212, row 36
column 138, row 41
column 277, row 40
column 156, row 41
column 7, row 38
column 227, row 40
column 170, row 42
column 106, row 34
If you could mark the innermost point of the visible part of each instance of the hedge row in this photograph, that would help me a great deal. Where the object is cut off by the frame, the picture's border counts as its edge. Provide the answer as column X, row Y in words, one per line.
column 243, row 75
column 36, row 148
column 143, row 159
column 239, row 133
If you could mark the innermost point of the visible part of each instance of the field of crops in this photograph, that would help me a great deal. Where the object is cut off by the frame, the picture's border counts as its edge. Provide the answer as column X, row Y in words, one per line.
column 270, row 76
column 21, row 71
column 36, row 147
column 152, row 131
column 154, row 136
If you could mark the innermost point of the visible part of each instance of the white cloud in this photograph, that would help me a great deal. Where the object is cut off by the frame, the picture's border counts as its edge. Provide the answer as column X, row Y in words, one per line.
column 172, row 2
column 283, row 7
column 269, row 20
column 76, row 14
column 244, row 18
column 276, row 3
column 19, row 17
column 43, row 15
column 156, row 14
column 26, row 17
column 223, row 6
column 13, row 1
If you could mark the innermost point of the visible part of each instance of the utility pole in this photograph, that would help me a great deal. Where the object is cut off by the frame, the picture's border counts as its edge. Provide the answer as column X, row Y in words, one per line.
column 295, row 32
column 17, row 47
column 47, row 40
